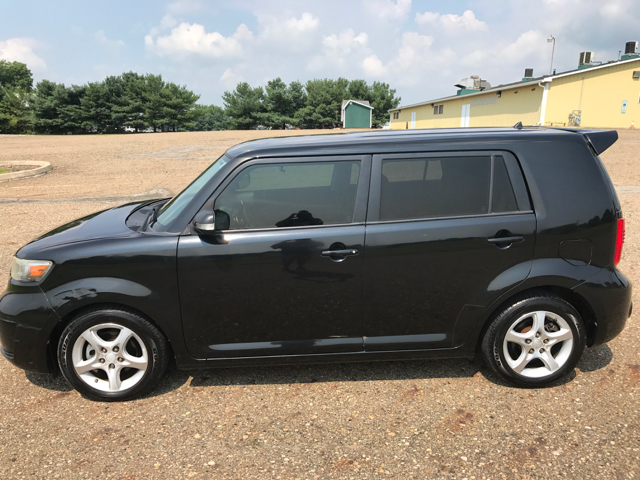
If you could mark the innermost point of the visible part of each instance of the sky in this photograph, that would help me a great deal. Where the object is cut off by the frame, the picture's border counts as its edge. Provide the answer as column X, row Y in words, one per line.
column 420, row 48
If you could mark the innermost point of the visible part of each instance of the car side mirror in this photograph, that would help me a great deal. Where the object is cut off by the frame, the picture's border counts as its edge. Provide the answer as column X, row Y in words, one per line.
column 205, row 223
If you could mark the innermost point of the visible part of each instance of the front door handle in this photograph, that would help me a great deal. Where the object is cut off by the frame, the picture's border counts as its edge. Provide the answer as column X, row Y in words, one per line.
column 340, row 253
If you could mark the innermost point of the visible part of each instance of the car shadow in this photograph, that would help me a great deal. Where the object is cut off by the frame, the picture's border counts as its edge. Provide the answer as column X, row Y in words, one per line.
column 49, row 381
column 593, row 359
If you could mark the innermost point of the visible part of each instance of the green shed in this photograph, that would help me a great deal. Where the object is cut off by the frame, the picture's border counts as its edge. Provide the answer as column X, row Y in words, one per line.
column 356, row 114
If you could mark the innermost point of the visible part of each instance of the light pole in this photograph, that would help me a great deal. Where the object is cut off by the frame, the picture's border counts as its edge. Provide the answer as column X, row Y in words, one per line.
column 549, row 40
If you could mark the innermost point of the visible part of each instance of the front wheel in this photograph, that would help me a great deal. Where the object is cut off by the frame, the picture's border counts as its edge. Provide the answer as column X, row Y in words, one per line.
column 535, row 341
column 112, row 354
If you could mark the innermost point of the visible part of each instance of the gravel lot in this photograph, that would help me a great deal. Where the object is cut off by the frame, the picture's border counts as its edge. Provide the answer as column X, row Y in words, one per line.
column 424, row 419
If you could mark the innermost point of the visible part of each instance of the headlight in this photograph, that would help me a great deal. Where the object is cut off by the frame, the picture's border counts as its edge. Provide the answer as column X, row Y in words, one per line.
column 30, row 270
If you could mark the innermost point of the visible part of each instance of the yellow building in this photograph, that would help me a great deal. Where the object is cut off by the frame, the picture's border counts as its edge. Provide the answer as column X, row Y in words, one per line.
column 605, row 96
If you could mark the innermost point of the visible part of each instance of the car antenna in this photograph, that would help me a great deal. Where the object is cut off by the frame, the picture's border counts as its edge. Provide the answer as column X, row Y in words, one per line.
column 518, row 126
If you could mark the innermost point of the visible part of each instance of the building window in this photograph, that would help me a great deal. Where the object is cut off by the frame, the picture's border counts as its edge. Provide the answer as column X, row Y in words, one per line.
column 438, row 109
column 396, row 115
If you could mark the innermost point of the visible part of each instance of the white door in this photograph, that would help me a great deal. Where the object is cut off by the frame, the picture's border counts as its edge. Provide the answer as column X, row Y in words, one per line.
column 413, row 120
column 466, row 113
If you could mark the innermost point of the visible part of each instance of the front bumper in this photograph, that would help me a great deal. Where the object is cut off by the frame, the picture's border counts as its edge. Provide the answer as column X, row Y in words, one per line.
column 609, row 294
column 26, row 323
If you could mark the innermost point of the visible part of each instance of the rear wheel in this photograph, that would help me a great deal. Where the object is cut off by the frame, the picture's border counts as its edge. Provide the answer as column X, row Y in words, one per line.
column 535, row 341
column 112, row 354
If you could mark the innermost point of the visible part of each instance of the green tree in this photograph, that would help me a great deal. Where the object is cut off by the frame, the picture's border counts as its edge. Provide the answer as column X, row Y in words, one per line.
column 178, row 107
column 15, row 114
column 16, row 82
column 322, row 109
column 58, row 109
column 45, row 108
column 210, row 117
column 297, row 96
column 70, row 109
column 281, row 102
column 99, row 106
column 359, row 90
column 154, row 102
column 243, row 106
column 132, row 108
column 382, row 100
column 15, row 75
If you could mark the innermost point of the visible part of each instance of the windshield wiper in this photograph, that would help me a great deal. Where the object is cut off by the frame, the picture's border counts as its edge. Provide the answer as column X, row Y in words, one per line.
column 153, row 216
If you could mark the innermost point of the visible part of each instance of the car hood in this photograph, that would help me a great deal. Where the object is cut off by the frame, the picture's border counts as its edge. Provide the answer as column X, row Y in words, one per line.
column 105, row 224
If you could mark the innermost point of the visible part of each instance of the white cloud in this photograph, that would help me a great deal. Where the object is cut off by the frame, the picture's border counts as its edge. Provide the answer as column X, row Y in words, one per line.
column 346, row 41
column 230, row 79
column 389, row 9
column 466, row 21
column 21, row 50
column 612, row 9
column 527, row 44
column 414, row 50
column 194, row 39
column 102, row 38
column 168, row 21
column 373, row 66
column 287, row 30
column 340, row 51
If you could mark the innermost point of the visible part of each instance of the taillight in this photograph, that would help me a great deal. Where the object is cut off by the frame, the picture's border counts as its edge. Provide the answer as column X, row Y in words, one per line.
column 619, row 241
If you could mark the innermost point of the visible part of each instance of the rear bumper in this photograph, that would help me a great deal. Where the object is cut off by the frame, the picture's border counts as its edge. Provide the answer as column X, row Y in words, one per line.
column 609, row 294
column 26, row 322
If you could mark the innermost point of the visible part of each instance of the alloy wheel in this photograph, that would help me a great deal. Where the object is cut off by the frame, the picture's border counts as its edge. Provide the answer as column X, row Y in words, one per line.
column 538, row 344
column 110, row 357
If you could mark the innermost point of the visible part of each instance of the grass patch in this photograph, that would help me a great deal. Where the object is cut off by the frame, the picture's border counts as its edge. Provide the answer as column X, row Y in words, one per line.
column 4, row 170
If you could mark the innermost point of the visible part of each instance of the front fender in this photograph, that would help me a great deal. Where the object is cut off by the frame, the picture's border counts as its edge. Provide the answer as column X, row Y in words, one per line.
column 160, row 306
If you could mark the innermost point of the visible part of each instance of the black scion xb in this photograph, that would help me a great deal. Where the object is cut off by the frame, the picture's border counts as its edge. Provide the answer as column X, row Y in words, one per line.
column 352, row 247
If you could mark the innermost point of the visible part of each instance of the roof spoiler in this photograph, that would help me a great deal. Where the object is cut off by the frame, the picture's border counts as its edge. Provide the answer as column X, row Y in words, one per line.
column 601, row 140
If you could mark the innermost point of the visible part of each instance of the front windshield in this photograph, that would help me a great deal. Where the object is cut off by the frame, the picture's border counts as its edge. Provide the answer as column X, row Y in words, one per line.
column 172, row 209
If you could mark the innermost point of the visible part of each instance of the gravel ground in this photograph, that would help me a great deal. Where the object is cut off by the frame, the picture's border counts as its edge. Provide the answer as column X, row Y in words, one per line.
column 423, row 419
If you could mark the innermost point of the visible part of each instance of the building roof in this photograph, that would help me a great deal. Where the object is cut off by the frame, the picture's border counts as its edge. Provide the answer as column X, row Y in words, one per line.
column 508, row 86
column 364, row 103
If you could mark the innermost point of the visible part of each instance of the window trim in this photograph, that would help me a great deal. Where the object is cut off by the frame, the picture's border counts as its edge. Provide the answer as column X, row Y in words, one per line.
column 373, row 212
column 362, row 191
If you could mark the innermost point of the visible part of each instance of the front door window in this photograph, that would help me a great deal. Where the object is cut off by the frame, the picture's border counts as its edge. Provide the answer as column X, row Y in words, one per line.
column 291, row 195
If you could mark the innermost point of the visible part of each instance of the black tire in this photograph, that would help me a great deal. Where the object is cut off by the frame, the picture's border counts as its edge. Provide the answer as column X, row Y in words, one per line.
column 510, row 319
column 156, row 354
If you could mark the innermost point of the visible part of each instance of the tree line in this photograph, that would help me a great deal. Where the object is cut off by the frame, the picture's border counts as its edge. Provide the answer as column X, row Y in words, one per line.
column 142, row 103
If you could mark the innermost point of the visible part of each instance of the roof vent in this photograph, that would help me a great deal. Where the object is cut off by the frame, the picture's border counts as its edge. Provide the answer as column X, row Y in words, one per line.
column 630, row 47
column 586, row 60
column 528, row 74
column 630, row 50
column 472, row 84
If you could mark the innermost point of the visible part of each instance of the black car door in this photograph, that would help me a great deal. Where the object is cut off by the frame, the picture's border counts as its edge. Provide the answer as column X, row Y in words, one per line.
column 446, row 235
column 285, row 277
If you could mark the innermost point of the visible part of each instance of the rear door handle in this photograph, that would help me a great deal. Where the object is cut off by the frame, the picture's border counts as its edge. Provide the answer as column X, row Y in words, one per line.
column 340, row 253
column 512, row 239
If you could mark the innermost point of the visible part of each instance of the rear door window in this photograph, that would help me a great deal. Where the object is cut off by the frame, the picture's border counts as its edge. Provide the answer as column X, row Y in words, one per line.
column 435, row 187
column 291, row 195
column 504, row 200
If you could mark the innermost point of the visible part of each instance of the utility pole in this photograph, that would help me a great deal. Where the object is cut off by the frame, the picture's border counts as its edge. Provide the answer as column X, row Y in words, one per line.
column 549, row 40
